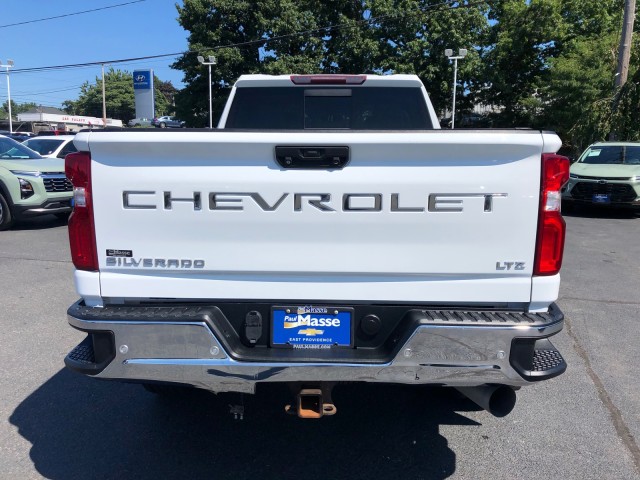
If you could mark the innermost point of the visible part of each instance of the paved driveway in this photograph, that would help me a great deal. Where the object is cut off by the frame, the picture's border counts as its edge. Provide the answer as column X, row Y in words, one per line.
column 582, row 425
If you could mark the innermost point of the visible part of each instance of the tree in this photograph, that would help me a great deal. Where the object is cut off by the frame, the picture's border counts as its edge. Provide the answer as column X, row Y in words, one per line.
column 164, row 96
column 312, row 36
column 16, row 108
column 580, row 101
column 582, row 74
column 119, row 94
column 524, row 37
column 550, row 64
column 627, row 112
column 580, row 77
column 535, row 63
column 214, row 24
column 618, row 112
column 410, row 36
column 415, row 42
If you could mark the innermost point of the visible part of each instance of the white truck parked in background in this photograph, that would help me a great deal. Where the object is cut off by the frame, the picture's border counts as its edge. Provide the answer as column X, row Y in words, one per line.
column 327, row 232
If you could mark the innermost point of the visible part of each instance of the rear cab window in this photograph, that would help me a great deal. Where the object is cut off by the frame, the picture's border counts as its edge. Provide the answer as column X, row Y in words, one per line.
column 335, row 108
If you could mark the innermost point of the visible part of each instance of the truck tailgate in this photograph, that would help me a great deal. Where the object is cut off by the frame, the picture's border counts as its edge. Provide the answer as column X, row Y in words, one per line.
column 414, row 217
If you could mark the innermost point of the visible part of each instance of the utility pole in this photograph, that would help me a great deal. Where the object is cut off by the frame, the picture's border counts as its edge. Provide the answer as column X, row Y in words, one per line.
column 624, row 52
column 624, row 55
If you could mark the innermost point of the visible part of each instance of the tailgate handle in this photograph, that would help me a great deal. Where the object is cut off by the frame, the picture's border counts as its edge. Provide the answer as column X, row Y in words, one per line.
column 309, row 157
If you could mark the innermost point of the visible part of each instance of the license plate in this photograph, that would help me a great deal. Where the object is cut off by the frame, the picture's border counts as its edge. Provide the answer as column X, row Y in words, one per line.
column 310, row 327
column 601, row 198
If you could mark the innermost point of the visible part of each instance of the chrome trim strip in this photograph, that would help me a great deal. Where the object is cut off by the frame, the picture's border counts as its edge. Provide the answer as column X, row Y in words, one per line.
column 53, row 175
column 39, row 211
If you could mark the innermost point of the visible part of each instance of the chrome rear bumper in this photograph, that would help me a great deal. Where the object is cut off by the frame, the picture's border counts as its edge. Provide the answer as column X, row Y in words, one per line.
column 184, row 347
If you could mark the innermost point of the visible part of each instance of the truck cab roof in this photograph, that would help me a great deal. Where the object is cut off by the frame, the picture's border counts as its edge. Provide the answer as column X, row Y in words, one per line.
column 259, row 80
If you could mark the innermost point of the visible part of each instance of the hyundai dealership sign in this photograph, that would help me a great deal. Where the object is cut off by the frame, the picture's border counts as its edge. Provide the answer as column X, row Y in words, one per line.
column 143, row 90
column 142, row 80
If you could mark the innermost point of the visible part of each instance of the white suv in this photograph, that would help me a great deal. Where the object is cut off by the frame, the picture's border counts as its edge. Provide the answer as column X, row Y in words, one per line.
column 52, row 146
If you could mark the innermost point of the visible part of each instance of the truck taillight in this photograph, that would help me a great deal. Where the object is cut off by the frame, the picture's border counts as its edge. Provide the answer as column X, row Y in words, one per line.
column 551, row 226
column 82, row 238
column 329, row 79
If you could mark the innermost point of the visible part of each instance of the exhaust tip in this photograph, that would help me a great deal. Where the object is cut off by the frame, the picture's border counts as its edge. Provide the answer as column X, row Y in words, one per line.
column 502, row 401
column 498, row 400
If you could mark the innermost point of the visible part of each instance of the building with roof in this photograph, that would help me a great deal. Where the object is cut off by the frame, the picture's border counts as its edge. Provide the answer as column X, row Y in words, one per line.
column 50, row 118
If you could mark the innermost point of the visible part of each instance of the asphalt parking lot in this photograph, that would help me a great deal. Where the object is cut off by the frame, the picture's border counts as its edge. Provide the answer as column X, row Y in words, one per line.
column 582, row 425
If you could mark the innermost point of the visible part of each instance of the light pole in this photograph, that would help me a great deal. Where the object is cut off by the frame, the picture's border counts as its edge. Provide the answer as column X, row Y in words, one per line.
column 212, row 61
column 8, row 66
column 104, row 102
column 461, row 54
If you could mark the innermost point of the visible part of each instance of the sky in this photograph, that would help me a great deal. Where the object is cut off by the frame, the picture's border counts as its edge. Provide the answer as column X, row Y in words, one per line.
column 137, row 29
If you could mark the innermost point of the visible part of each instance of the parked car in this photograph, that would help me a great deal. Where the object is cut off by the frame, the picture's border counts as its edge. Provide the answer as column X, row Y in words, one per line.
column 608, row 174
column 17, row 136
column 52, row 146
column 30, row 184
column 468, row 120
column 140, row 122
column 49, row 133
column 168, row 122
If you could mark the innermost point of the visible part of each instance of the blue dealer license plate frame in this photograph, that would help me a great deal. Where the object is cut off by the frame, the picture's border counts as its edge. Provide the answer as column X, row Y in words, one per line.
column 311, row 327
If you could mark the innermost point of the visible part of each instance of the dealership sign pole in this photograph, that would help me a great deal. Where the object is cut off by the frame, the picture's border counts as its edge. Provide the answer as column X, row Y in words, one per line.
column 143, row 90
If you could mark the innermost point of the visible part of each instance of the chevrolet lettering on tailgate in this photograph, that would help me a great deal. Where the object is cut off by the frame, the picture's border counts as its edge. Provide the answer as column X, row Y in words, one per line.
column 226, row 201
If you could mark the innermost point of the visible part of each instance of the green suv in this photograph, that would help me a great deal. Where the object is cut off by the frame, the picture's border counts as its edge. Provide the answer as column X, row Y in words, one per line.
column 608, row 174
column 30, row 185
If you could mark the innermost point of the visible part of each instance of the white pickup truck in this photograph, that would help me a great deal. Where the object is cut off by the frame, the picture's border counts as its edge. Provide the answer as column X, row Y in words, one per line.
column 328, row 231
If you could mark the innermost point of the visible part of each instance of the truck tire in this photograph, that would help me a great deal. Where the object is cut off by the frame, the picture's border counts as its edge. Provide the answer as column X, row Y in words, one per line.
column 6, row 219
column 163, row 125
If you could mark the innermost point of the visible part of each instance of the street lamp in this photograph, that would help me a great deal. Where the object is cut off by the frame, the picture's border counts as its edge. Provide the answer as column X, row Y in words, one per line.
column 212, row 61
column 104, row 101
column 8, row 66
column 461, row 54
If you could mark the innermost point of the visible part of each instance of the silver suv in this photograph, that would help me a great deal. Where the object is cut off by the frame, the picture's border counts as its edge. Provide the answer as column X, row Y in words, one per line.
column 168, row 122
